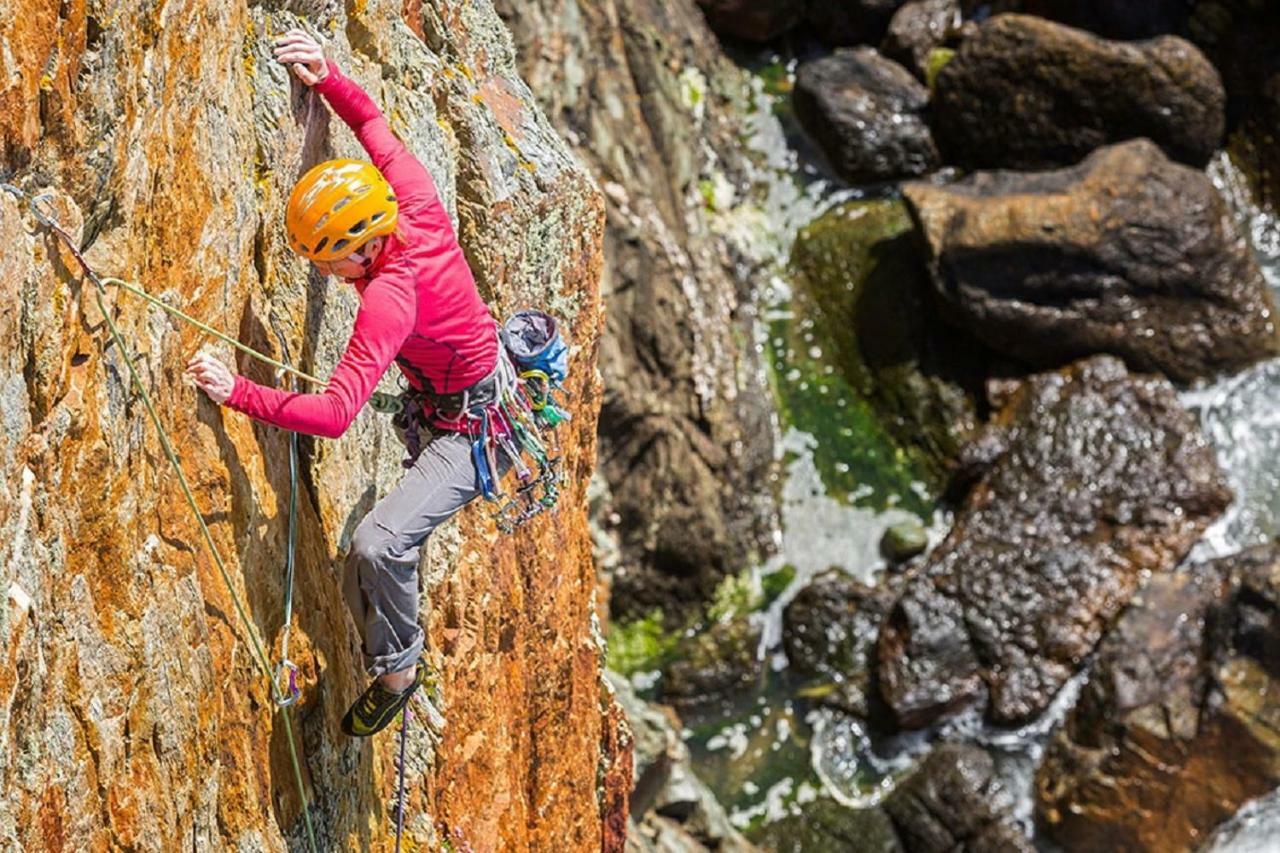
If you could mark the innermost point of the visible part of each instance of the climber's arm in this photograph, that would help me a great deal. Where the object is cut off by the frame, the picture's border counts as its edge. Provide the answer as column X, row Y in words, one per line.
column 382, row 325
column 408, row 177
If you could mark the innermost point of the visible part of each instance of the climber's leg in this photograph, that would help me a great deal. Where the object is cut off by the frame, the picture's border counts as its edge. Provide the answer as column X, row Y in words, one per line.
column 381, row 578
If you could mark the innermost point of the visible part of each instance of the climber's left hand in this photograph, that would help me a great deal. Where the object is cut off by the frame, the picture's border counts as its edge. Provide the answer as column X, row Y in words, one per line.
column 213, row 377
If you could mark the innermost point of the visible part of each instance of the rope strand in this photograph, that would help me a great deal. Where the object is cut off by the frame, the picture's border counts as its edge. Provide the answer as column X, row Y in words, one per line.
column 260, row 656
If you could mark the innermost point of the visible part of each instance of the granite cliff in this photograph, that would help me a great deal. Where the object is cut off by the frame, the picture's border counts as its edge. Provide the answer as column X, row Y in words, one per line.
column 131, row 712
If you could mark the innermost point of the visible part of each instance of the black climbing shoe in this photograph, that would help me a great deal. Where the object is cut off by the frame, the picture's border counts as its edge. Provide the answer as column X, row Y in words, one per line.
column 378, row 706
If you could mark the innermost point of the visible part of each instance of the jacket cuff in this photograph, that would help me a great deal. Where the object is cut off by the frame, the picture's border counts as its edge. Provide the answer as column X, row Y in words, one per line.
column 330, row 81
column 238, row 390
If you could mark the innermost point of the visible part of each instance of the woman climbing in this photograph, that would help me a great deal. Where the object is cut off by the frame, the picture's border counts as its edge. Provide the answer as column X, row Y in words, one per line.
column 382, row 228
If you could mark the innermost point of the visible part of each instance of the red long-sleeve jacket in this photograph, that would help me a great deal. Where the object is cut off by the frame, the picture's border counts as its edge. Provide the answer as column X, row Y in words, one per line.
column 418, row 305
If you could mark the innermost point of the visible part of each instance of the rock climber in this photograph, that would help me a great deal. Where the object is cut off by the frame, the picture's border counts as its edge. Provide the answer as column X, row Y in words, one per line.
column 382, row 228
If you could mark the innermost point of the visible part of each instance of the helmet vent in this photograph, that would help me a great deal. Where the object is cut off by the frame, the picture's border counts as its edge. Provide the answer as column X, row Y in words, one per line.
column 341, row 244
column 357, row 228
column 320, row 246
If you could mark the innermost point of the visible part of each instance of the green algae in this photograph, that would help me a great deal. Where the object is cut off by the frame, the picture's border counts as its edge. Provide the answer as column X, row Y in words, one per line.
column 849, row 360
column 640, row 645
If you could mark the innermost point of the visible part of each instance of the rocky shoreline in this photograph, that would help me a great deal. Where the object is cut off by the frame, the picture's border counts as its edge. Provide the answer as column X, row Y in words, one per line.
column 1076, row 268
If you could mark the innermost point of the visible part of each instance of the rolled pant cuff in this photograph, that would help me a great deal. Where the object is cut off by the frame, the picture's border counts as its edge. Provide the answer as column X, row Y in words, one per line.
column 377, row 665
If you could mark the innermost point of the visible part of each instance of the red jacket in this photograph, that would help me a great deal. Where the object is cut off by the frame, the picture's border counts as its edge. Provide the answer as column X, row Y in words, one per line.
column 419, row 304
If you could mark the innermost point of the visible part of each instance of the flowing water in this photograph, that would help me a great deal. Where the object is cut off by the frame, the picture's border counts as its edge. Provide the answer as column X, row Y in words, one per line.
column 768, row 754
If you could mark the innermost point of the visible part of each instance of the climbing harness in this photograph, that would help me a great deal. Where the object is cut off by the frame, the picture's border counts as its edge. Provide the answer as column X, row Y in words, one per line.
column 260, row 656
column 510, row 414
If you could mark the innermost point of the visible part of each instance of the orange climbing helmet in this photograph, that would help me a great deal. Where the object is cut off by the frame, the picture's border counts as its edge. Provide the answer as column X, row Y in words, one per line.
column 338, row 206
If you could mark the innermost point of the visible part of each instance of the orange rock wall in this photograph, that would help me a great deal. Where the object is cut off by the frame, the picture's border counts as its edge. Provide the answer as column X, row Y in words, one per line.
column 131, row 711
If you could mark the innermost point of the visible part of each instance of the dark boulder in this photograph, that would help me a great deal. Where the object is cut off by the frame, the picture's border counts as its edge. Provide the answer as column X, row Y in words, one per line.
column 955, row 802
column 829, row 632
column 1093, row 480
column 867, row 113
column 752, row 20
column 1178, row 725
column 917, row 29
column 1027, row 93
column 1127, row 253
column 952, row 802
column 713, row 663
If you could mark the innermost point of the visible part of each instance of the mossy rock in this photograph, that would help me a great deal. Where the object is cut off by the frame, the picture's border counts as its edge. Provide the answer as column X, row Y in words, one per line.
column 861, row 268
column 826, row 825
column 904, row 540
column 713, row 664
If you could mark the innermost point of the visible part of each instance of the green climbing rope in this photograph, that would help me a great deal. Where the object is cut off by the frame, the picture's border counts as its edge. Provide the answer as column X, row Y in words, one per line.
column 260, row 653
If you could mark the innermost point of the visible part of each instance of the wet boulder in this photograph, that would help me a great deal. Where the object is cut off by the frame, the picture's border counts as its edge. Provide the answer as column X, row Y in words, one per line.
column 917, row 29
column 829, row 633
column 904, row 541
column 752, row 20
column 867, row 113
column 713, row 663
column 1178, row 725
column 1092, row 479
column 1027, row 93
column 1127, row 253
column 952, row 802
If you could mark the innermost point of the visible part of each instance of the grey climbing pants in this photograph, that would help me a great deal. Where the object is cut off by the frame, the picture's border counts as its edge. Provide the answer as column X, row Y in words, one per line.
column 380, row 581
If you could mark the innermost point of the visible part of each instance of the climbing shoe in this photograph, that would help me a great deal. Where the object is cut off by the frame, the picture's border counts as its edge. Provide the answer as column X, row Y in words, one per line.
column 378, row 706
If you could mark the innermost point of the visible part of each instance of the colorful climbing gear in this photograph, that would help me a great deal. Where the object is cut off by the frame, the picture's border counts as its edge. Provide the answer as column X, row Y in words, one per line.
column 507, row 415
column 513, row 420
column 260, row 655
column 338, row 206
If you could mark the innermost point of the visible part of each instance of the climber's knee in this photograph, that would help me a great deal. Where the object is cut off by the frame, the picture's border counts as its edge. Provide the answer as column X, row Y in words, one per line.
column 371, row 548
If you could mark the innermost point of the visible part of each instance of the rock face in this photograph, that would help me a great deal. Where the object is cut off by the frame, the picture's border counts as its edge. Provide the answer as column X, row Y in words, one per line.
column 916, row 29
column 1027, row 93
column 686, row 435
column 1177, row 727
column 952, row 802
column 1093, row 479
column 130, row 711
column 1127, row 254
column 867, row 114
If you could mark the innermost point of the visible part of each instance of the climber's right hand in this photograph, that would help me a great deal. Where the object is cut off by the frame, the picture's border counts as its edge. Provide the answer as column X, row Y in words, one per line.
column 303, row 55
column 213, row 377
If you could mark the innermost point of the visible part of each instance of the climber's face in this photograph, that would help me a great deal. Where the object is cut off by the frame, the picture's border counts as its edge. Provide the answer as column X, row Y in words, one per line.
column 356, row 264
